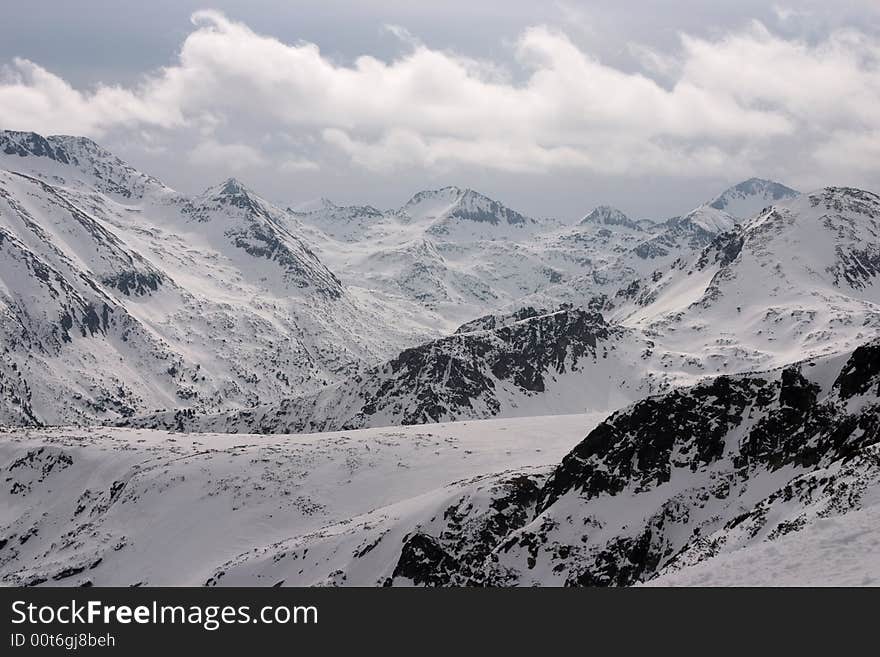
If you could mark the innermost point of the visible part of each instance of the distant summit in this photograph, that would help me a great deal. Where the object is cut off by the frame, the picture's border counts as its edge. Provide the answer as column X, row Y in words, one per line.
column 609, row 216
column 751, row 196
column 462, row 203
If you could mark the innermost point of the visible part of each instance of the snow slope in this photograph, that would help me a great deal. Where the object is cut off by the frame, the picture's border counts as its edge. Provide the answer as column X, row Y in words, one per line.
column 799, row 279
column 723, row 366
column 713, row 474
column 121, row 507
column 842, row 550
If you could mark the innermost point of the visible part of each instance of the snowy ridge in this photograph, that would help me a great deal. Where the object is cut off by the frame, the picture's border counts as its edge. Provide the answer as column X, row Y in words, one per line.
column 75, row 161
column 258, row 229
column 462, row 204
column 797, row 280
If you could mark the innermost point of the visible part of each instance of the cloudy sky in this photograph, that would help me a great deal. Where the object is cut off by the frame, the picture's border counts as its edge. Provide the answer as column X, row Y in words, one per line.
column 551, row 107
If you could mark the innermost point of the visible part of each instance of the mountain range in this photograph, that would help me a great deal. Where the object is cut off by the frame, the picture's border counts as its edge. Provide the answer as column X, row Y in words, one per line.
column 494, row 399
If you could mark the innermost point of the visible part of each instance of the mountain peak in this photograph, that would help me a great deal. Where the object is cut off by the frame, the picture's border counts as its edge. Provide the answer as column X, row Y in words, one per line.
column 462, row 203
column 232, row 187
column 749, row 197
column 709, row 219
column 449, row 194
column 313, row 205
column 66, row 149
column 229, row 189
column 609, row 216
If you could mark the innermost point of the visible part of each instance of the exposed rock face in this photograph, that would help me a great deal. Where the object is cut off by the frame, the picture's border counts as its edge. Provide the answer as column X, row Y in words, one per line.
column 673, row 480
column 472, row 528
column 686, row 464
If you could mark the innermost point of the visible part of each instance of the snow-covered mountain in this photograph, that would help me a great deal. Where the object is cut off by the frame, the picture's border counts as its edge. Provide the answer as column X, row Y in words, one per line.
column 228, row 302
column 75, row 162
column 608, row 216
column 455, row 213
column 121, row 296
column 797, row 281
column 699, row 226
column 749, row 197
column 724, row 366
column 447, row 255
column 342, row 223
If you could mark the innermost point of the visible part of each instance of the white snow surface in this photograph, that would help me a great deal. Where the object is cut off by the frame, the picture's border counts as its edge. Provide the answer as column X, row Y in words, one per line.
column 186, row 504
column 840, row 550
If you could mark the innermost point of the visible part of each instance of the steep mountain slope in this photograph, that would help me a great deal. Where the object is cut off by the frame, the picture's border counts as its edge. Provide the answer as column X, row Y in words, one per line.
column 75, row 162
column 235, row 215
column 121, row 296
column 838, row 550
column 615, row 257
column 662, row 244
column 799, row 279
column 75, row 350
column 699, row 471
column 699, row 227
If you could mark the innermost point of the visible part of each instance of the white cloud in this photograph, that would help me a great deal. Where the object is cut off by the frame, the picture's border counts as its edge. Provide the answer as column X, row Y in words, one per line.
column 230, row 157
column 32, row 98
column 725, row 103
column 297, row 164
column 785, row 13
